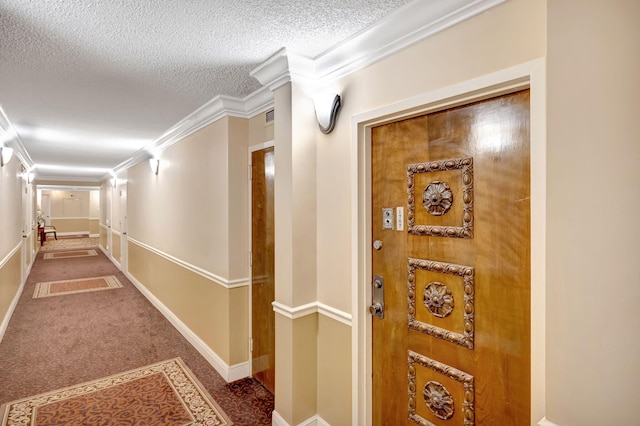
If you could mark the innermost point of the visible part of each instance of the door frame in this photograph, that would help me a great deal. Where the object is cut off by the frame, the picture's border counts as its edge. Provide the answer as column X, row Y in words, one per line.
column 122, row 195
column 531, row 75
column 250, row 151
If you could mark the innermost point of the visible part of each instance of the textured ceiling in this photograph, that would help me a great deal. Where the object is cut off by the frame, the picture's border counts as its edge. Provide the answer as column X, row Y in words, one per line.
column 89, row 82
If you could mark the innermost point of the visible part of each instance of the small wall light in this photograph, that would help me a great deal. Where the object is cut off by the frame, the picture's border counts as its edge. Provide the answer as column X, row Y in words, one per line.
column 154, row 163
column 5, row 155
column 327, row 106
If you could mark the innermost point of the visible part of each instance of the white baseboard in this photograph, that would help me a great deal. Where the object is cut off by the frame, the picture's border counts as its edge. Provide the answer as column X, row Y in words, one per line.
column 545, row 422
column 229, row 373
column 94, row 235
column 277, row 420
column 12, row 307
column 16, row 298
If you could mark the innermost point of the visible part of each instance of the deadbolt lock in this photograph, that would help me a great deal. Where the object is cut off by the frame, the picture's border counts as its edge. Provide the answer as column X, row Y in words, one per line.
column 377, row 297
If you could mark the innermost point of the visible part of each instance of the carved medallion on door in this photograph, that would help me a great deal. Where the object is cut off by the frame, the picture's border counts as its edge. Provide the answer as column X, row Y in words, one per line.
column 446, row 191
column 439, row 390
column 441, row 300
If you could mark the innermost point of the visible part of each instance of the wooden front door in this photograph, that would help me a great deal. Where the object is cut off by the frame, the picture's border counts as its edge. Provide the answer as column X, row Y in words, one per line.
column 453, row 347
column 262, row 267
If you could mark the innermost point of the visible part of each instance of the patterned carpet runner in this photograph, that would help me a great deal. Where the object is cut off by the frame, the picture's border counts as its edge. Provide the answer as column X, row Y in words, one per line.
column 165, row 393
column 67, row 254
column 70, row 243
column 80, row 285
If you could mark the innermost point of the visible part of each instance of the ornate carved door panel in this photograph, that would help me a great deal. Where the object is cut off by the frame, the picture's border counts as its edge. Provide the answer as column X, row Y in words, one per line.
column 262, row 270
column 453, row 347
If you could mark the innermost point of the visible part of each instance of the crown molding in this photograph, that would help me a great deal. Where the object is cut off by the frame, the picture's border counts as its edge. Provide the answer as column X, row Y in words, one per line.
column 414, row 22
column 410, row 24
column 285, row 66
column 217, row 108
column 15, row 141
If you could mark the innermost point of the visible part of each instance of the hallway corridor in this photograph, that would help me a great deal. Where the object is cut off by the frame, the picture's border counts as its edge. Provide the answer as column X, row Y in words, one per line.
column 67, row 339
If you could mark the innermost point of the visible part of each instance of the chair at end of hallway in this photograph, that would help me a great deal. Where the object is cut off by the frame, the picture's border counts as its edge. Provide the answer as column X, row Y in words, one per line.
column 50, row 229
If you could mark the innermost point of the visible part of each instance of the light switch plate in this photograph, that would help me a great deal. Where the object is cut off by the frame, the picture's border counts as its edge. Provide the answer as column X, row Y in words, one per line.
column 399, row 218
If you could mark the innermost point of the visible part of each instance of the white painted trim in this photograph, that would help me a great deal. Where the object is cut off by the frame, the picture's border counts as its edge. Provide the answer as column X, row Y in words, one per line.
column 545, row 422
column 260, row 146
column 312, row 308
column 531, row 74
column 94, row 235
column 115, row 262
column 11, row 253
column 72, row 233
column 16, row 142
column 409, row 24
column 229, row 373
column 16, row 298
column 297, row 312
column 335, row 314
column 217, row 108
column 118, row 233
column 241, row 282
column 277, row 420
column 70, row 218
column 66, row 187
column 102, row 225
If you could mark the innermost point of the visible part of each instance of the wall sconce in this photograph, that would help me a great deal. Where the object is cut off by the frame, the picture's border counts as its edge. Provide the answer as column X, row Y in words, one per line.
column 5, row 155
column 154, row 163
column 327, row 106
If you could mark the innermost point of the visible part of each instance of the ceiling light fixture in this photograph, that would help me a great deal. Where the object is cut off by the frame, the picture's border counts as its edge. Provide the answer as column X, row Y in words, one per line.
column 5, row 155
column 327, row 106
column 154, row 163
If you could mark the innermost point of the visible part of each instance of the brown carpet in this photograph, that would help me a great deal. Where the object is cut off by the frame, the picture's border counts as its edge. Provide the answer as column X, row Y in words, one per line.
column 56, row 342
column 165, row 393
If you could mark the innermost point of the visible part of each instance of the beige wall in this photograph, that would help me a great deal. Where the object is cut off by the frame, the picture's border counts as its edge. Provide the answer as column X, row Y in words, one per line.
column 11, row 223
column 10, row 280
column 259, row 130
column 195, row 211
column 184, row 210
column 69, row 204
column 72, row 211
column 75, row 225
column 334, row 371
column 115, row 249
column 10, row 207
column 592, row 257
column 94, row 226
column 216, row 314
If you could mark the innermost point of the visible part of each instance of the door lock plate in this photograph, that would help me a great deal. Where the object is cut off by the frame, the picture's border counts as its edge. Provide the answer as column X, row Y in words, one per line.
column 387, row 219
column 377, row 297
